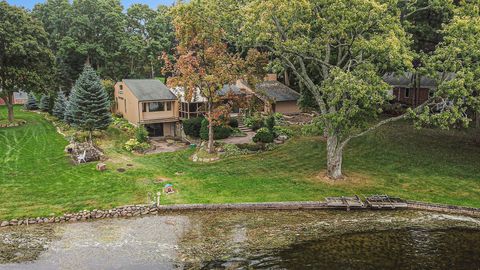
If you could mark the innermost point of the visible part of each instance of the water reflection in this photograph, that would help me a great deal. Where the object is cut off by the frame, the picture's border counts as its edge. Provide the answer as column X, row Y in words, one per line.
column 256, row 239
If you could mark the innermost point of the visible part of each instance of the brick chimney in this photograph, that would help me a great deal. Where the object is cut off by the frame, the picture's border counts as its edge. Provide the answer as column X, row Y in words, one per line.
column 271, row 77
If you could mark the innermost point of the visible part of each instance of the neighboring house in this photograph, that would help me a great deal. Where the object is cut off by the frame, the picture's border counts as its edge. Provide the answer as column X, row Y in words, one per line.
column 149, row 103
column 410, row 89
column 276, row 96
column 18, row 98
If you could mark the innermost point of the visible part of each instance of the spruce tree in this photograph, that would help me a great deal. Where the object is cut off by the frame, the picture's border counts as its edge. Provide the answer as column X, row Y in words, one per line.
column 60, row 106
column 89, row 105
column 68, row 117
column 31, row 102
column 44, row 103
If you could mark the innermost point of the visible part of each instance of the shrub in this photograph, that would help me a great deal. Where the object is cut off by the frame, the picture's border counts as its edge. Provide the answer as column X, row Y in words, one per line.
column 252, row 147
column 233, row 150
column 312, row 130
column 233, row 123
column 134, row 145
column 254, row 122
column 141, row 134
column 280, row 130
column 263, row 135
column 219, row 132
column 270, row 123
column 192, row 126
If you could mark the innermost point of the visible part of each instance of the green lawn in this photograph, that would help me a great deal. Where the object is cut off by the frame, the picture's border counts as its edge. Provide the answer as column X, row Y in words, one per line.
column 36, row 177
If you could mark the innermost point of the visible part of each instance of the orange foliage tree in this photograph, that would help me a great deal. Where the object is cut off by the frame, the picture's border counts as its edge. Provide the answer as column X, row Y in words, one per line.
column 203, row 60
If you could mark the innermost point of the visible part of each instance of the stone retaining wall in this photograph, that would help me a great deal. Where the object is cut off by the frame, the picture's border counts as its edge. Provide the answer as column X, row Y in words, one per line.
column 141, row 210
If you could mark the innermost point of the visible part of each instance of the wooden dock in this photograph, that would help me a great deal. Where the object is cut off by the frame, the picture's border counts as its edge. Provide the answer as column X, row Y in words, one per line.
column 345, row 202
column 385, row 202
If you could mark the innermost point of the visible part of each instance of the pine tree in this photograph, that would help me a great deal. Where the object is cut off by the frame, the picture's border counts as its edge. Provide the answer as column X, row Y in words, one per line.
column 44, row 103
column 60, row 106
column 68, row 116
column 89, row 105
column 31, row 102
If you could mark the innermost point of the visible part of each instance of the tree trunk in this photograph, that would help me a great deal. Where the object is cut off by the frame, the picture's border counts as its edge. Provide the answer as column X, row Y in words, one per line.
column 287, row 78
column 210, row 129
column 334, row 158
column 9, row 102
column 152, row 69
column 477, row 119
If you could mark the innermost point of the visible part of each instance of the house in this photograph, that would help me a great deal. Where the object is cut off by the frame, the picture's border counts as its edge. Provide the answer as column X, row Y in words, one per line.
column 149, row 103
column 275, row 96
column 411, row 89
column 18, row 98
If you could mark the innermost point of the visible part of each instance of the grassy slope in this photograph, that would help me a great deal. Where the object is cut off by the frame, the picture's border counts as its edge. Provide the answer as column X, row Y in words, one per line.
column 37, row 179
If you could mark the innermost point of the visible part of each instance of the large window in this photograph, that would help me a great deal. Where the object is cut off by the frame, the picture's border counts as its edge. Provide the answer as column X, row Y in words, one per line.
column 169, row 106
column 156, row 107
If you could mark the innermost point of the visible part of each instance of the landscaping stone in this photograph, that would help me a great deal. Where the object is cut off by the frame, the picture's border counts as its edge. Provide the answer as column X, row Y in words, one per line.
column 101, row 167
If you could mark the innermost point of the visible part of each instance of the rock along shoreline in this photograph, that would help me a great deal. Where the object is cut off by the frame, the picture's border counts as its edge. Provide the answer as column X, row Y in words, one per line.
column 143, row 210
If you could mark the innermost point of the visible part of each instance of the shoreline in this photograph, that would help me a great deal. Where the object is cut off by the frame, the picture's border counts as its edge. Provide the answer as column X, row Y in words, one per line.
column 143, row 210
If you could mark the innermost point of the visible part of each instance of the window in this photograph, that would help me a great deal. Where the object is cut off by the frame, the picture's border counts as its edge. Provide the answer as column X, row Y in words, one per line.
column 144, row 107
column 125, row 104
column 169, row 106
column 116, row 103
column 156, row 107
column 121, row 86
column 407, row 92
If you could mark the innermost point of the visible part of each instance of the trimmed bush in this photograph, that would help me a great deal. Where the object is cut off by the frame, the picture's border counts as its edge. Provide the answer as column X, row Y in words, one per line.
column 263, row 135
column 270, row 123
column 141, row 134
column 233, row 123
column 192, row 126
column 219, row 132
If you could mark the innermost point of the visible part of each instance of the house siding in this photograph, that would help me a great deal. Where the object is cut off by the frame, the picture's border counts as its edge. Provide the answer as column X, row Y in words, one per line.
column 126, row 104
column 415, row 97
column 287, row 107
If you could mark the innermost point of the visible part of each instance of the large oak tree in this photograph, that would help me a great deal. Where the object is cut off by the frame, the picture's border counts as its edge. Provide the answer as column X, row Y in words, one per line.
column 340, row 49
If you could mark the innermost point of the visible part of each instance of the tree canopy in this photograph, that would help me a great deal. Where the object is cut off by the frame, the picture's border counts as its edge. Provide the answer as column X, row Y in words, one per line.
column 25, row 58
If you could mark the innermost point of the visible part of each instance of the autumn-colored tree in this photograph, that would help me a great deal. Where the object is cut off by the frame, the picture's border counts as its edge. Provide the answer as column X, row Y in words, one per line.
column 203, row 59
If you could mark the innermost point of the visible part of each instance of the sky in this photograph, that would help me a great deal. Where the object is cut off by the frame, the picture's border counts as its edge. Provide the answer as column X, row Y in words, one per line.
column 126, row 3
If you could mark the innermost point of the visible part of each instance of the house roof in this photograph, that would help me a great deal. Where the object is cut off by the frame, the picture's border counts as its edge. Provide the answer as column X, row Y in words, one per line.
column 149, row 89
column 230, row 88
column 197, row 97
column 406, row 80
column 276, row 91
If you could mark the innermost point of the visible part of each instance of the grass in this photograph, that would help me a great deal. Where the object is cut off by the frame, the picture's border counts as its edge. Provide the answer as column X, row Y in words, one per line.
column 37, row 179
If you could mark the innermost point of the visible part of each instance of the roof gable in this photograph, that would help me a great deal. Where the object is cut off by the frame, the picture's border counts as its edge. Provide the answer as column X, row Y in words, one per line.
column 149, row 89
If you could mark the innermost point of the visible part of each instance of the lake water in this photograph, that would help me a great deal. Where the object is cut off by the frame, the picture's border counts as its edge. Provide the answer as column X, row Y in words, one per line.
column 250, row 240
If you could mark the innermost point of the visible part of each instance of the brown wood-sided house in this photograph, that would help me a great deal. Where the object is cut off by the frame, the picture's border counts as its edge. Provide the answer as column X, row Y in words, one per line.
column 149, row 103
column 411, row 89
